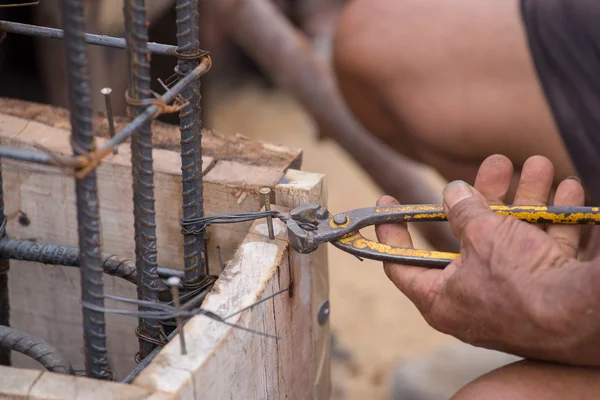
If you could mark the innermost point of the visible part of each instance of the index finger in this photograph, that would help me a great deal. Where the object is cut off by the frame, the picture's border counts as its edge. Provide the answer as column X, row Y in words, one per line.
column 419, row 284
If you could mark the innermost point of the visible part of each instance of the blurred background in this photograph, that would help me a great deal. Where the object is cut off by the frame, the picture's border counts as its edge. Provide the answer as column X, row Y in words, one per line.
column 377, row 332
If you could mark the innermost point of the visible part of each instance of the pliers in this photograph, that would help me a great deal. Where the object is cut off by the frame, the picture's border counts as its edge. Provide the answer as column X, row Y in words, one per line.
column 311, row 225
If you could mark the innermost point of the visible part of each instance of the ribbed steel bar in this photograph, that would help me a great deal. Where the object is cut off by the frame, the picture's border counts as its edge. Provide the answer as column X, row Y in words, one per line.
column 36, row 348
column 98, row 40
column 4, row 299
column 136, row 34
column 191, row 139
column 53, row 254
column 148, row 114
column 88, row 216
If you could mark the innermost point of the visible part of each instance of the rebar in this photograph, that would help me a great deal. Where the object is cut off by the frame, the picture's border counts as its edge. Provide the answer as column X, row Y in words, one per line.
column 36, row 348
column 190, row 120
column 98, row 40
column 4, row 265
column 52, row 254
column 149, row 113
column 88, row 217
column 136, row 34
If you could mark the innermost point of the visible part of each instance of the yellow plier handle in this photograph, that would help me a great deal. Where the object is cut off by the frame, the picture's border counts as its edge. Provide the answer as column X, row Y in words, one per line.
column 311, row 225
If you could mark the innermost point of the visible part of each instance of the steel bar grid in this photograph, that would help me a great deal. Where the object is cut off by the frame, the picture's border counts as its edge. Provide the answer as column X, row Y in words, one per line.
column 98, row 40
column 144, row 106
column 83, row 161
column 88, row 210
column 191, row 139
column 136, row 33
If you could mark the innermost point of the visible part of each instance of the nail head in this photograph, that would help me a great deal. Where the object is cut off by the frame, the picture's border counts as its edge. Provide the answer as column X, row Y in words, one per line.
column 174, row 281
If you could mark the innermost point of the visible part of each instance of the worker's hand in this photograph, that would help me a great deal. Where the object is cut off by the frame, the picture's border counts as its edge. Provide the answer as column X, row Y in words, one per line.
column 516, row 287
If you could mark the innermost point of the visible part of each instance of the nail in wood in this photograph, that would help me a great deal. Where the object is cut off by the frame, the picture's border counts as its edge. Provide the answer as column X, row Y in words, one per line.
column 266, row 195
column 109, row 114
column 174, row 283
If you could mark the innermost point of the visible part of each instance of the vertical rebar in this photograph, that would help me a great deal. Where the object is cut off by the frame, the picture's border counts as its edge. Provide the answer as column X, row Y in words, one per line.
column 4, row 264
column 88, row 218
column 191, row 139
column 136, row 35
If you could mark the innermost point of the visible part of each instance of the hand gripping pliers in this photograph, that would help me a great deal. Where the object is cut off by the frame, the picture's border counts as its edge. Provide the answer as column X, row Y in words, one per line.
column 311, row 225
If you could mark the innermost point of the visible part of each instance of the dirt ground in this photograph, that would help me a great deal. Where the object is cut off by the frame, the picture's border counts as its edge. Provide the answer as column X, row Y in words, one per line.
column 374, row 325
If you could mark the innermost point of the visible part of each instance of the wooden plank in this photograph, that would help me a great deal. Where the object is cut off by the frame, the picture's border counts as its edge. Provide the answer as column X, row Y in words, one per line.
column 51, row 386
column 260, row 267
column 260, row 369
column 217, row 145
column 224, row 362
column 16, row 383
column 311, row 272
column 47, row 198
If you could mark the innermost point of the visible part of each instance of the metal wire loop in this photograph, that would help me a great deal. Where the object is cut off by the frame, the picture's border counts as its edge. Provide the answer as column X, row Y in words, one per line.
column 198, row 225
column 158, row 102
column 148, row 339
column 192, row 55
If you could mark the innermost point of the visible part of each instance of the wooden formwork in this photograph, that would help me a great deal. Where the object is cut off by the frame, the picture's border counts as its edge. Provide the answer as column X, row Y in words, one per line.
column 221, row 362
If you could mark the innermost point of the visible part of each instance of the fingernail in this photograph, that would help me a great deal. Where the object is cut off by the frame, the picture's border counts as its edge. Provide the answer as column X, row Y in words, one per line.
column 455, row 192
column 573, row 177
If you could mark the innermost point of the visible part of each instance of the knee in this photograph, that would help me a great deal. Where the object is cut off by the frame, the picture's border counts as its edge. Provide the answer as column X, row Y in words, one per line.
column 527, row 379
column 363, row 66
column 355, row 43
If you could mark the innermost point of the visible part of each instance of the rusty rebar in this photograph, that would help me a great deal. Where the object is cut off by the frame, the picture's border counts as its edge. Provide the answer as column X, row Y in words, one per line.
column 136, row 34
column 98, row 40
column 149, row 113
column 4, row 265
column 52, row 254
column 88, row 213
column 191, row 139
column 36, row 348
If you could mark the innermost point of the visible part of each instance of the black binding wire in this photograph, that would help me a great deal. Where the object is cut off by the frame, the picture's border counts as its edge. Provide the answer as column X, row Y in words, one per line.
column 195, row 226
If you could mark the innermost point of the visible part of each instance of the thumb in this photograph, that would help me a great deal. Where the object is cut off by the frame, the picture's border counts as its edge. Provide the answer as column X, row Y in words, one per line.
column 462, row 204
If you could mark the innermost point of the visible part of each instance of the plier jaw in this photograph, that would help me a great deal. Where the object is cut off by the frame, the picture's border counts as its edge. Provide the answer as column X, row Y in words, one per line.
column 301, row 237
column 311, row 225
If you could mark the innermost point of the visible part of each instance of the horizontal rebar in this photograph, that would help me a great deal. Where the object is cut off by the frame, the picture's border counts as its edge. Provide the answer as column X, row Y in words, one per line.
column 52, row 254
column 90, row 38
column 36, row 348
column 130, row 129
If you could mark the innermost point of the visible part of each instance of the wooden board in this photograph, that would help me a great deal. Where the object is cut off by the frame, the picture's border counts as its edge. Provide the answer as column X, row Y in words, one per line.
column 225, row 362
column 45, row 300
column 22, row 384
column 47, row 197
column 299, row 188
column 219, row 146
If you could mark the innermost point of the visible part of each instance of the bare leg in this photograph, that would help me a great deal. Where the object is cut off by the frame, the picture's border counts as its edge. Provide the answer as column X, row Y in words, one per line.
column 527, row 380
column 446, row 82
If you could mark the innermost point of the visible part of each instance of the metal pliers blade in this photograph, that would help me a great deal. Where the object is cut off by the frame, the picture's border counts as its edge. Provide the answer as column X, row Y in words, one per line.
column 311, row 225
